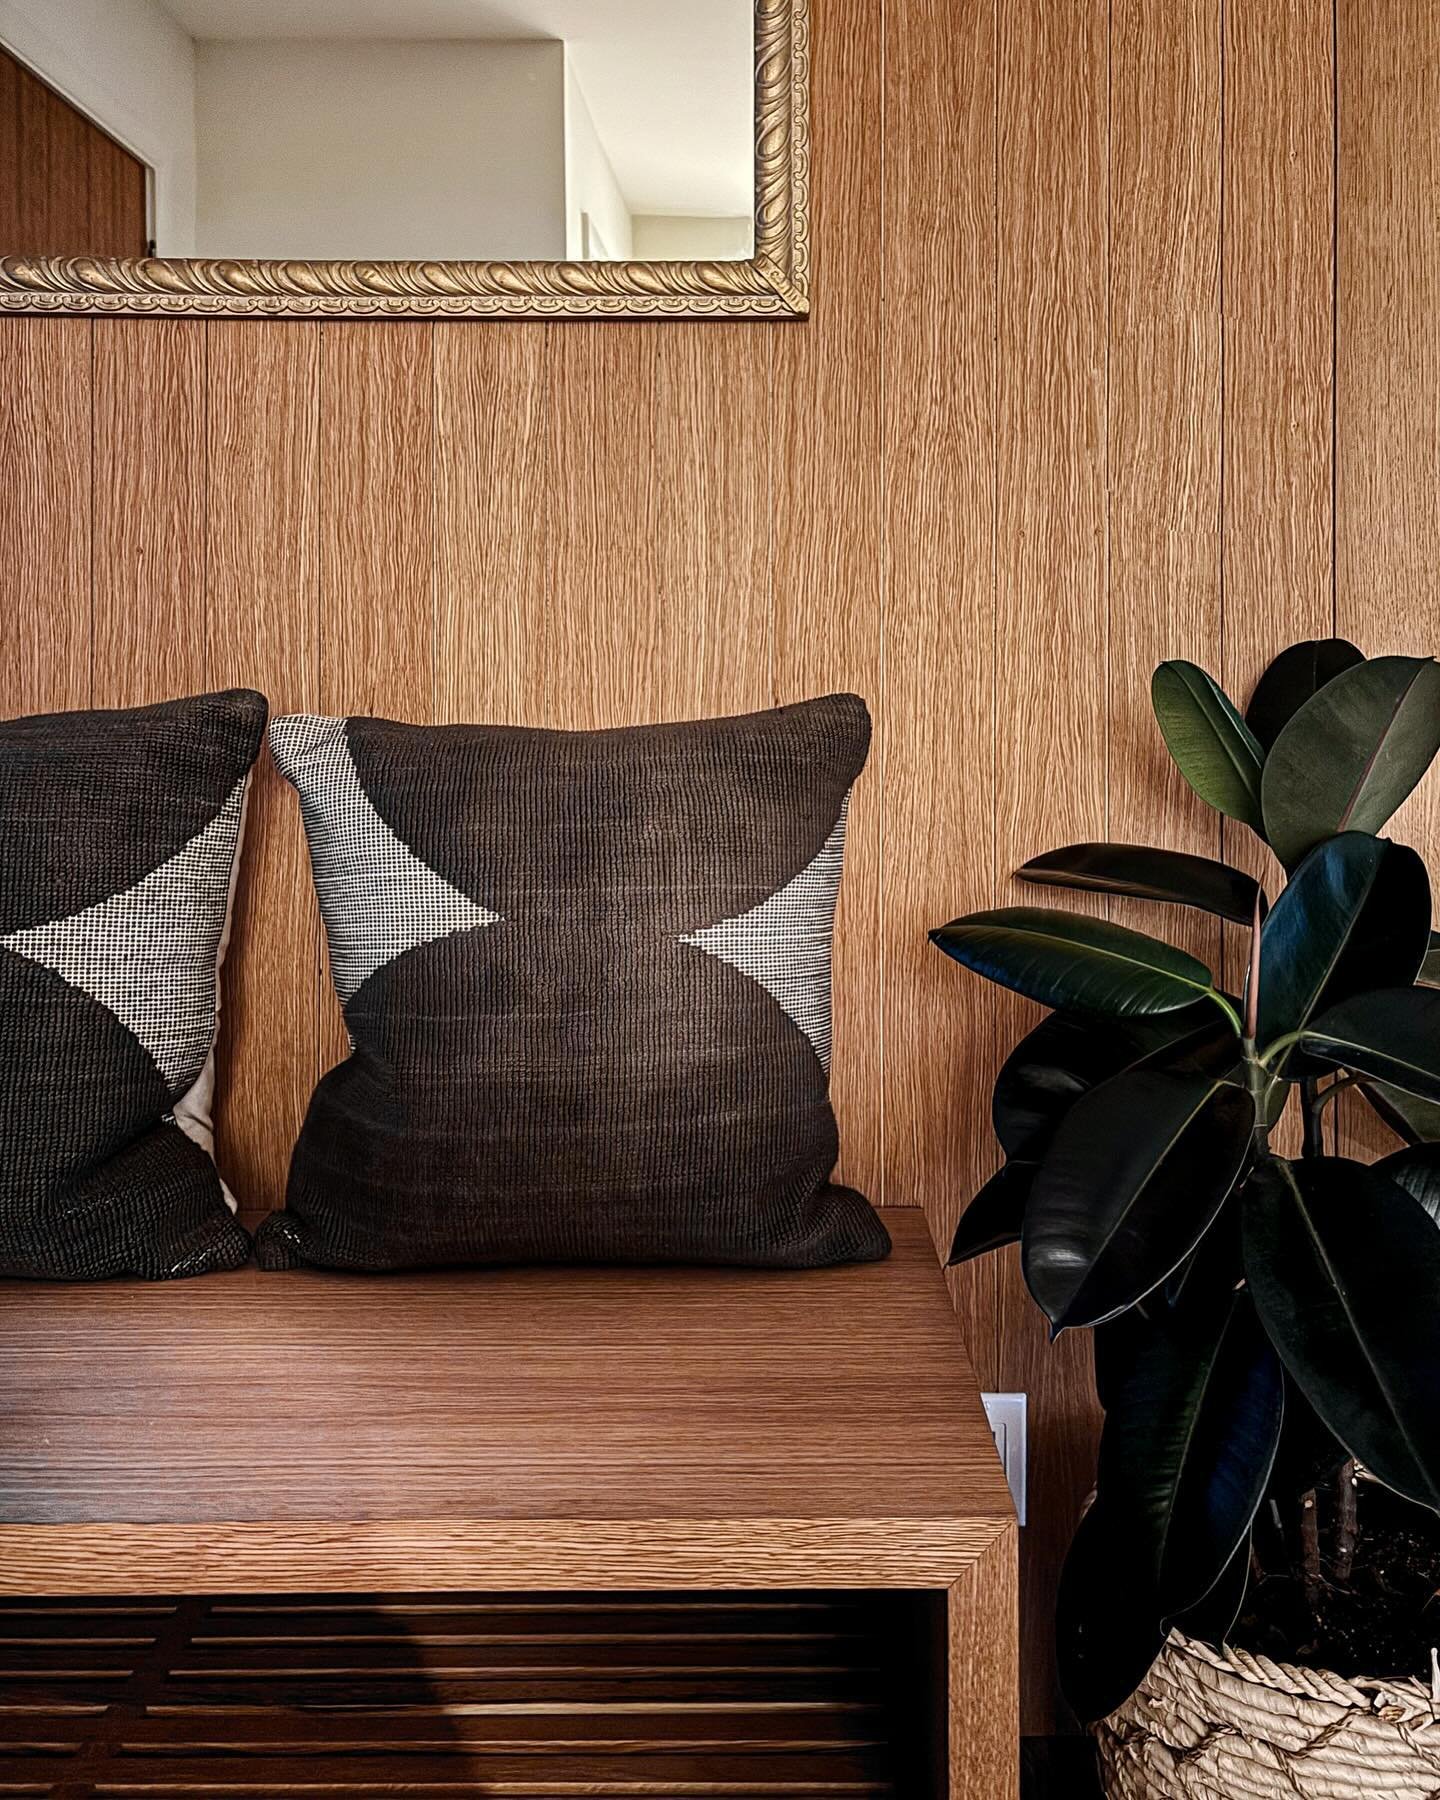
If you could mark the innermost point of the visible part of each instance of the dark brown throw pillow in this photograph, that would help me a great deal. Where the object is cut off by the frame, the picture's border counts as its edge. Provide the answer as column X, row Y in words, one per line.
column 121, row 835
column 586, row 977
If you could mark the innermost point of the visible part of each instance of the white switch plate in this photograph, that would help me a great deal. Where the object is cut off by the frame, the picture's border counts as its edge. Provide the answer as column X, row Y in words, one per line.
column 1006, row 1413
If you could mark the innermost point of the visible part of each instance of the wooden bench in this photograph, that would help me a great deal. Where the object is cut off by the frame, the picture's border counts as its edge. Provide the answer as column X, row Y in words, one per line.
column 572, row 1431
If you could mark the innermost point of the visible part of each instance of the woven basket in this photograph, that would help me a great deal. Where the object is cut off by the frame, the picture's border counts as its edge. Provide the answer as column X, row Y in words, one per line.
column 1223, row 1725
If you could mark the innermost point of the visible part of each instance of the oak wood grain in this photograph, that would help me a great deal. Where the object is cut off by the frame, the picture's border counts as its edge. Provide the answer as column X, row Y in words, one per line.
column 494, row 505
column 150, row 510
column 1052, row 634
column 939, row 571
column 1163, row 438
column 45, row 622
column 984, row 1606
column 827, row 525
column 534, row 1394
column 262, row 599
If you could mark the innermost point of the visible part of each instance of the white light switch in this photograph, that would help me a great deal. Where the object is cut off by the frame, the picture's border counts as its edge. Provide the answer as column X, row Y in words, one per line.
column 1006, row 1413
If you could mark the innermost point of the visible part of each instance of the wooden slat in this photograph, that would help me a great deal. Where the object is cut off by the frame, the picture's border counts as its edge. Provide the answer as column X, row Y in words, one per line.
column 262, row 576
column 376, row 635
column 45, row 516
column 1387, row 527
column 150, row 510
column 116, row 197
column 1164, row 418
column 494, row 505
column 1051, row 626
column 55, row 173
column 1278, row 540
column 740, row 1717
column 827, row 523
column 939, row 771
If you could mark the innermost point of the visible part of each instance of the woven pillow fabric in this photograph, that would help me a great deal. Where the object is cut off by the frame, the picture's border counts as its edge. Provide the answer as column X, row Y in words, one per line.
column 121, row 833
column 586, row 977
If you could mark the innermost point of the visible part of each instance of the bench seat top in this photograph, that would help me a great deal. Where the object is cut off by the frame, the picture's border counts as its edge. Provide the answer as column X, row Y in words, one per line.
column 530, row 1428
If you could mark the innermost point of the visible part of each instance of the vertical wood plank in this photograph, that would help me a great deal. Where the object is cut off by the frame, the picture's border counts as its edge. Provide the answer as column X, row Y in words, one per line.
column 1387, row 524
column 659, row 547
column 828, row 583
column 263, row 624
column 377, row 502
column 55, row 173
column 1279, row 339
column 1164, row 430
column 938, row 381
column 376, row 631
column 45, row 514
column 150, row 508
column 1051, row 627
column 115, row 190
column 9, row 155
column 494, row 506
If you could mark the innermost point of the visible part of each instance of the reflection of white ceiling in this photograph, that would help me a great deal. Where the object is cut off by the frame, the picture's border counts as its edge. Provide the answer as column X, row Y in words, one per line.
column 669, row 83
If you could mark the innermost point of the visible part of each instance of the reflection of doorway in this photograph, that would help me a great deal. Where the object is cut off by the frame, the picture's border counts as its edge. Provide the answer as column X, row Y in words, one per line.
column 66, row 187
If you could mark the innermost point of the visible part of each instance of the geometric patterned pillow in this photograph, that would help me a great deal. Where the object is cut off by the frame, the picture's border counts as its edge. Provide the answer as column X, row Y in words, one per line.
column 586, row 977
column 121, row 834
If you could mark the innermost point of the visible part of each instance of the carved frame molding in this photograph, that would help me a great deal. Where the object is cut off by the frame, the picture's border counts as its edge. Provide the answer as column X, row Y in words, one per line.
column 773, row 284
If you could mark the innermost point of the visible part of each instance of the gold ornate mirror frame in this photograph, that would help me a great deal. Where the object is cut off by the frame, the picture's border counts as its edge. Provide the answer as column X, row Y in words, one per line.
column 773, row 284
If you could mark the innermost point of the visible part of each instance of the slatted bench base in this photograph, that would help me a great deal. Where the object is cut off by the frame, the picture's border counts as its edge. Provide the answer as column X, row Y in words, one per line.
column 799, row 1696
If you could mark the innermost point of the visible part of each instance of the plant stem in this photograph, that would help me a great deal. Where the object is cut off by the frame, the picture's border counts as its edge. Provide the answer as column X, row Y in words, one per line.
column 1310, row 1553
column 1310, row 1104
column 1252, row 977
column 1346, row 1522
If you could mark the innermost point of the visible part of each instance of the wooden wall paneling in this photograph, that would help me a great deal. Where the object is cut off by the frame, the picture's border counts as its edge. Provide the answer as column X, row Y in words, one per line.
column 55, row 172
column 45, row 520
column 1387, row 522
column 376, row 632
column 1164, row 420
column 262, row 630
column 938, row 381
column 828, row 499
column 150, row 510
column 116, row 186
column 713, row 517
column 1051, row 633
column 1279, row 339
column 494, row 506
column 9, row 155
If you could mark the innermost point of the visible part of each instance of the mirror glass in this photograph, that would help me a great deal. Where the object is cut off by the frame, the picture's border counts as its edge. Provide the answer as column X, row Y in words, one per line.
column 376, row 130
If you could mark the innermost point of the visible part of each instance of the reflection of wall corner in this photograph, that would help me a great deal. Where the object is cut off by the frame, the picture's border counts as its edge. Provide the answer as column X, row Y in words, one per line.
column 1007, row 1416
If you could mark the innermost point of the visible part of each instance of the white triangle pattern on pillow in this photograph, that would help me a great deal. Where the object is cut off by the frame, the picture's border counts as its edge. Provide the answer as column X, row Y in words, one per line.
column 784, row 942
column 123, row 951
column 378, row 899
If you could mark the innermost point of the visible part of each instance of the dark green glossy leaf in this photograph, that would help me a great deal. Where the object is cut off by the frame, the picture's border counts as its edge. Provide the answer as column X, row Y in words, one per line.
column 1291, row 679
column 993, row 1218
column 1351, row 753
column 1392, row 1035
column 1107, row 1633
column 1345, row 1268
column 1146, row 874
column 1070, row 960
column 1213, row 1616
column 1355, row 915
column 1417, row 1170
column 1137, row 1172
column 1190, row 1436
column 1067, row 1054
column 1213, row 747
column 1414, row 1120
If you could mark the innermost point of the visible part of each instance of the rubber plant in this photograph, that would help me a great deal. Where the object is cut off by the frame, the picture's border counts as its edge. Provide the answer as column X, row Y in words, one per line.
column 1262, row 1323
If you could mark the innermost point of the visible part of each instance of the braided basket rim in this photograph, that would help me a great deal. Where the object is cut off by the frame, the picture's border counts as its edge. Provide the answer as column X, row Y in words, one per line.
column 1367, row 1693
